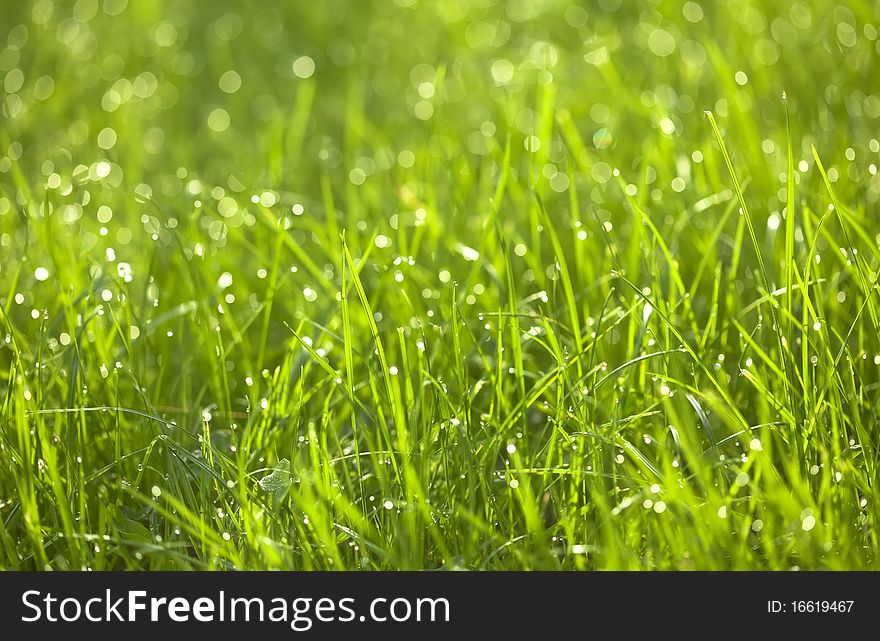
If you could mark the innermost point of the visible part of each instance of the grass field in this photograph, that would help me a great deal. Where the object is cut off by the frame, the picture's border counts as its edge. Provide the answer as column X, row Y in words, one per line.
column 462, row 285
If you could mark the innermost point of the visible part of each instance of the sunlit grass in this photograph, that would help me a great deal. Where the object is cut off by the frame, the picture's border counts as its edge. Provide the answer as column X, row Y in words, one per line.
column 405, row 285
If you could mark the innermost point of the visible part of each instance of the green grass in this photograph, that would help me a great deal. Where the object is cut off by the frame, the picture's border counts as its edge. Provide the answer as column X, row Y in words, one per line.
column 479, row 285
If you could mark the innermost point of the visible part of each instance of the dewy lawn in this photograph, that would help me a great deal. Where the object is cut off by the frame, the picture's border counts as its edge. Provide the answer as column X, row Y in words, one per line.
column 461, row 285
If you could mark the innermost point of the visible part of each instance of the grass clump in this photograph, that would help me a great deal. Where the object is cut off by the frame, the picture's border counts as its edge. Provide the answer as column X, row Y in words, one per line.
column 404, row 285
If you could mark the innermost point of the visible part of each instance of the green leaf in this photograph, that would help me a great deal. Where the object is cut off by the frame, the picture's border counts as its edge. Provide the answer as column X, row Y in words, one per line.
column 277, row 482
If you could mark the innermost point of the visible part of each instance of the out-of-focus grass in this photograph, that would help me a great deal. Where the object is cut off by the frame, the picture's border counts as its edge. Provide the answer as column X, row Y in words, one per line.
column 486, row 285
